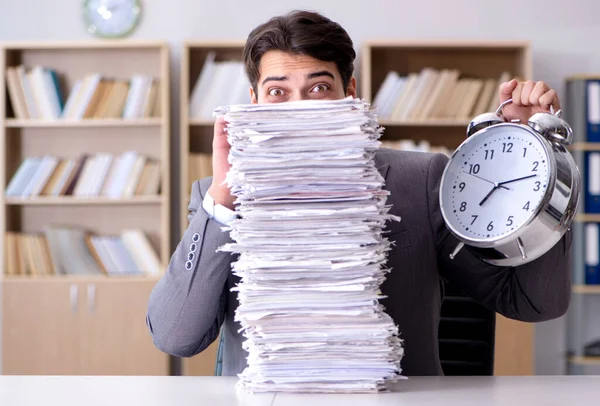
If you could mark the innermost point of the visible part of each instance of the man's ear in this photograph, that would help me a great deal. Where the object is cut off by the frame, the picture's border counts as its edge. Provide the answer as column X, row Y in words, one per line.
column 351, row 89
column 253, row 98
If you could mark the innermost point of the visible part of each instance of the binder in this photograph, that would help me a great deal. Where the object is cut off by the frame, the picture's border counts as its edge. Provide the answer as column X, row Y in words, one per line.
column 593, row 111
column 592, row 254
column 592, row 183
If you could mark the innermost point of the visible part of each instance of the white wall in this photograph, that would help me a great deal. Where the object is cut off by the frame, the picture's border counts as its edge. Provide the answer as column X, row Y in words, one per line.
column 563, row 36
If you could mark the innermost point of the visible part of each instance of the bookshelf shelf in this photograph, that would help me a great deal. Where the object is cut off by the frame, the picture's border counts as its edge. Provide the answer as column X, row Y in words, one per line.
column 429, row 123
column 200, row 122
column 584, row 360
column 69, row 200
column 80, row 278
column 587, row 218
column 586, row 289
column 149, row 122
column 585, row 146
column 83, row 126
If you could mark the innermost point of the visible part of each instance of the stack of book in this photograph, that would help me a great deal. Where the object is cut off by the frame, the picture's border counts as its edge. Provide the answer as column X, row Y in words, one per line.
column 219, row 83
column 90, row 175
column 200, row 166
column 74, row 251
column 433, row 94
column 36, row 93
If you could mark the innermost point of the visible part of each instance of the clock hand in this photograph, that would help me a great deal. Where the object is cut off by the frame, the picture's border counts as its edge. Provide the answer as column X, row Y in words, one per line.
column 514, row 180
column 496, row 186
column 488, row 181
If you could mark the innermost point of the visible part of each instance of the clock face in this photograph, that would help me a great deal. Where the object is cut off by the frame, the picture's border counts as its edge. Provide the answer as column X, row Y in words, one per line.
column 111, row 18
column 494, row 183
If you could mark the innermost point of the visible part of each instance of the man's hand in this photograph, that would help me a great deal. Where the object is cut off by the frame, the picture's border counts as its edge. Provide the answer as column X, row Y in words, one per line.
column 218, row 190
column 528, row 98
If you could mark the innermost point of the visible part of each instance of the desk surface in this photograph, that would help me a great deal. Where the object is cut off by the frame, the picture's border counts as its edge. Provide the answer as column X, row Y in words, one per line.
column 217, row 391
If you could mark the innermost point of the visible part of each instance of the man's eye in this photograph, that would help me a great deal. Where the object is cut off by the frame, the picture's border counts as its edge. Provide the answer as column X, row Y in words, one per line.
column 320, row 88
column 276, row 92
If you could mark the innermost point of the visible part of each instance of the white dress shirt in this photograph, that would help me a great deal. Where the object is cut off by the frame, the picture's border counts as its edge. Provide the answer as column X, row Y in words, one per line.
column 217, row 212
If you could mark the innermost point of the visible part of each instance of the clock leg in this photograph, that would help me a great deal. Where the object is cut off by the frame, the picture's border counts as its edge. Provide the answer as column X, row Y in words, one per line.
column 459, row 246
column 521, row 248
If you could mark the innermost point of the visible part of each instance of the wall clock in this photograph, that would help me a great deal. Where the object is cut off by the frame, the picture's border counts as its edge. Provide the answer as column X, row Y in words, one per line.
column 111, row 18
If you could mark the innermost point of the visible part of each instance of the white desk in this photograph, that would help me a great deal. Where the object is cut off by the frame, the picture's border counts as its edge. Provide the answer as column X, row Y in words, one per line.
column 216, row 391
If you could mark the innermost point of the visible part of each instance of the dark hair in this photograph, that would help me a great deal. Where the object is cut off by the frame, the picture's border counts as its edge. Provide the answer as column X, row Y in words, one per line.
column 300, row 32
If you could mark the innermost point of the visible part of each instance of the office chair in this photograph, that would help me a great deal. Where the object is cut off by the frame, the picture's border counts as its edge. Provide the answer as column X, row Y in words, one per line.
column 466, row 335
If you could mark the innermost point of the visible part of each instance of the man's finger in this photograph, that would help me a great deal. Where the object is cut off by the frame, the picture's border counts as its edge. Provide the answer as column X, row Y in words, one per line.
column 506, row 89
column 526, row 93
column 516, row 94
column 549, row 99
column 537, row 92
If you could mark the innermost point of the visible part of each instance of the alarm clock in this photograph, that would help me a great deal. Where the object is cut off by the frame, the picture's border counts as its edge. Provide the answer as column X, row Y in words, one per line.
column 510, row 191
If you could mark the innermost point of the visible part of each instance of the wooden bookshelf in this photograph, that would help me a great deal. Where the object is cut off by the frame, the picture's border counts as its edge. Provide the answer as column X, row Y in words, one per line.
column 84, row 324
column 481, row 59
column 474, row 60
column 196, row 137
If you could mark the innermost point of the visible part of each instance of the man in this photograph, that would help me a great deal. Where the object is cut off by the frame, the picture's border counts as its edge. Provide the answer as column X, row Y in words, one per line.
column 304, row 55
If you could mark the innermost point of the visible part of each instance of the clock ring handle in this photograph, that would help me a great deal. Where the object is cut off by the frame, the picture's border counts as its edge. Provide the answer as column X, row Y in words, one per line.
column 550, row 125
column 499, row 109
column 557, row 113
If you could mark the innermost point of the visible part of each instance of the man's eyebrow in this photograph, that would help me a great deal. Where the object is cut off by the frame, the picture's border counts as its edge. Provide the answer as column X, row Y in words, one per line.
column 275, row 79
column 320, row 73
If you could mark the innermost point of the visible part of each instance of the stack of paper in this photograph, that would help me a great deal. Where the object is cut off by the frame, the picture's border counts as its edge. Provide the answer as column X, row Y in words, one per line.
column 311, row 208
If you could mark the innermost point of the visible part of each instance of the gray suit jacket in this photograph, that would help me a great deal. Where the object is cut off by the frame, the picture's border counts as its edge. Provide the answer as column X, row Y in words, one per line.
column 193, row 300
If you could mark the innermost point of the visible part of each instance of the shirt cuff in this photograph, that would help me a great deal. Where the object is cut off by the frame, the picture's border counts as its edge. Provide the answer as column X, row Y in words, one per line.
column 217, row 212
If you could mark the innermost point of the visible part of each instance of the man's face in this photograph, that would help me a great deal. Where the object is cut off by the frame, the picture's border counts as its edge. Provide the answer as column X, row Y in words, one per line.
column 287, row 77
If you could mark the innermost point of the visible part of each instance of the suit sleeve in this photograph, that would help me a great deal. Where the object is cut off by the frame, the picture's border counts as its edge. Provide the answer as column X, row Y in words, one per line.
column 533, row 292
column 187, row 305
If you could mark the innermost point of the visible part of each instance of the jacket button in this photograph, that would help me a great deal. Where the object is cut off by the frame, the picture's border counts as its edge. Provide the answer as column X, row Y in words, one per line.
column 195, row 237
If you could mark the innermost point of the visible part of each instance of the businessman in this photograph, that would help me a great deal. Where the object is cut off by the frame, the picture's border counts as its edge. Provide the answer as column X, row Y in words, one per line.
column 304, row 55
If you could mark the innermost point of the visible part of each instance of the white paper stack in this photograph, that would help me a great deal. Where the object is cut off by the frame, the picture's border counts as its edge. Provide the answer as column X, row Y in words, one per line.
column 311, row 211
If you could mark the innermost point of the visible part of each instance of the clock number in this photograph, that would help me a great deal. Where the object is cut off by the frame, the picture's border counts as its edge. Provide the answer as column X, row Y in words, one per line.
column 537, row 186
column 461, row 186
column 535, row 166
column 474, row 168
column 507, row 146
column 474, row 218
column 490, row 153
column 526, row 207
column 509, row 221
column 463, row 206
column 490, row 226
column 524, row 152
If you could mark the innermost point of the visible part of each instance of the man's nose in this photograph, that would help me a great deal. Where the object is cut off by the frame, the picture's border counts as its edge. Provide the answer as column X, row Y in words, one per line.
column 297, row 96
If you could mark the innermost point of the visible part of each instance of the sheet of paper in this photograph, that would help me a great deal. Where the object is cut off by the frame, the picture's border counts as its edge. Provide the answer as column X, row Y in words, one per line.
column 311, row 251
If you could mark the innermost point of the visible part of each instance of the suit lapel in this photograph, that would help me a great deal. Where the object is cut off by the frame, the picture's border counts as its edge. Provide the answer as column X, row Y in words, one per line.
column 383, row 169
